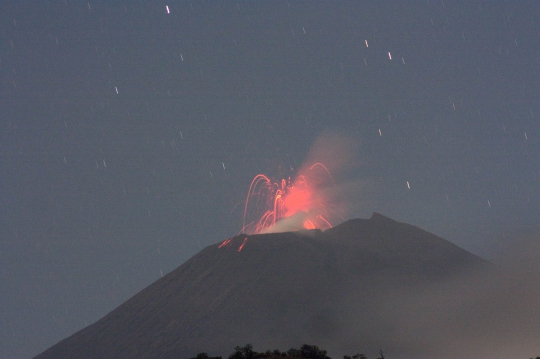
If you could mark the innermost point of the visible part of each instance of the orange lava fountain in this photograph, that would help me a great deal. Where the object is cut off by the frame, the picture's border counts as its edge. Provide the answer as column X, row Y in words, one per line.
column 288, row 205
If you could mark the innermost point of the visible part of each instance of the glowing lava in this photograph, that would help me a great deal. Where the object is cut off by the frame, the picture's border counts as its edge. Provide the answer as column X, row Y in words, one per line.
column 242, row 245
column 225, row 242
column 289, row 205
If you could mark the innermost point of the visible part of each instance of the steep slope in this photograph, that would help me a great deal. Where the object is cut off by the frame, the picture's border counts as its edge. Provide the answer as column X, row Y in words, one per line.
column 275, row 290
column 380, row 243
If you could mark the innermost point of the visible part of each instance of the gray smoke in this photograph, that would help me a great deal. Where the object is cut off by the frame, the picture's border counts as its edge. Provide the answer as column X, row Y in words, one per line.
column 480, row 313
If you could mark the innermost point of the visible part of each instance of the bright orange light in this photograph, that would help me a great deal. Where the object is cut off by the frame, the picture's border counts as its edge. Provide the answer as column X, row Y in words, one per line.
column 225, row 242
column 302, row 201
column 242, row 245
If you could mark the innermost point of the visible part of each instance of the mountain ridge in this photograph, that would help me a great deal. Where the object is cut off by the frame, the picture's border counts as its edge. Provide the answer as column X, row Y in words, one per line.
column 273, row 290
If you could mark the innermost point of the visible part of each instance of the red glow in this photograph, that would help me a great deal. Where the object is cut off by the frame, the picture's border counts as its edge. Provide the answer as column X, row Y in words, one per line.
column 225, row 242
column 242, row 245
column 303, row 201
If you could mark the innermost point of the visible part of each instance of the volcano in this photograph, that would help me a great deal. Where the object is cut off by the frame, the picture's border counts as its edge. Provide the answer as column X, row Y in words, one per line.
column 350, row 288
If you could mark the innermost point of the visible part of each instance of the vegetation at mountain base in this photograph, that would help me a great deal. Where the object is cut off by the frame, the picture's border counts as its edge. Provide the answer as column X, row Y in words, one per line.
column 306, row 351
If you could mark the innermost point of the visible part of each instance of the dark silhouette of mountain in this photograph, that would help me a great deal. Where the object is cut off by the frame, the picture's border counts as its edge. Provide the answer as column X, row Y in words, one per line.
column 346, row 289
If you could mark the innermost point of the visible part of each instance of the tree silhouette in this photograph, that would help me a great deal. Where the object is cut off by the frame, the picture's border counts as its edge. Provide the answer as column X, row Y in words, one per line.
column 245, row 352
column 355, row 356
column 205, row 356
column 312, row 352
column 305, row 352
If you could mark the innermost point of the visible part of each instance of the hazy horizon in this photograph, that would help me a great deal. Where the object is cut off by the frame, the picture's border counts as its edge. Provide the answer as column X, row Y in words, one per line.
column 130, row 134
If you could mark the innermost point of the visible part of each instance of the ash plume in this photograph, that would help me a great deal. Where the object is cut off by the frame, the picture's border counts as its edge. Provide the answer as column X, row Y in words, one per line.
column 320, row 194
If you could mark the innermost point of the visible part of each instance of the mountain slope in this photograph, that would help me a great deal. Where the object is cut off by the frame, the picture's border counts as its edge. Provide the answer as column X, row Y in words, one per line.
column 276, row 291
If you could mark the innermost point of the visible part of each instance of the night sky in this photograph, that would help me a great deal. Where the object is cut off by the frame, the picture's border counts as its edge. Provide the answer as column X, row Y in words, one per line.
column 130, row 133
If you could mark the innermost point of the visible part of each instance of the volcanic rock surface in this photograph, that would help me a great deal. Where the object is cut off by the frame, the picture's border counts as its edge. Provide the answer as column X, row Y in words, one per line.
column 346, row 289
